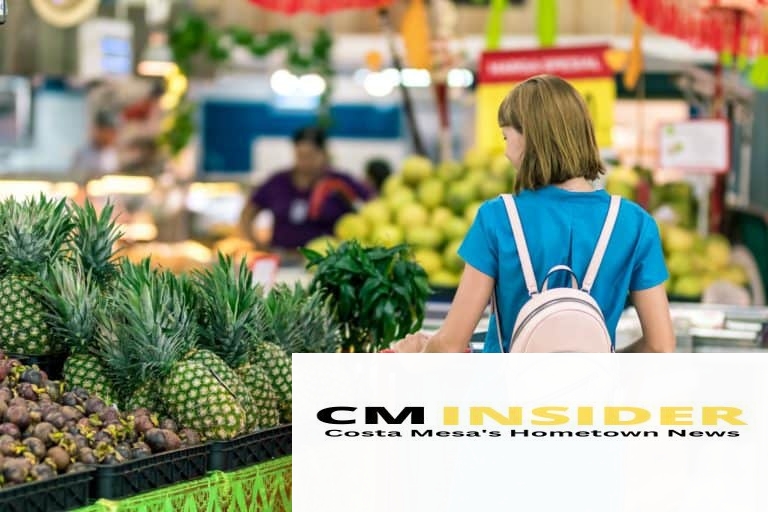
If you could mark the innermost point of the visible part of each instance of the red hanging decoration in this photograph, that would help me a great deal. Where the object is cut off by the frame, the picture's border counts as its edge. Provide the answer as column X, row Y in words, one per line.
column 319, row 6
column 739, row 27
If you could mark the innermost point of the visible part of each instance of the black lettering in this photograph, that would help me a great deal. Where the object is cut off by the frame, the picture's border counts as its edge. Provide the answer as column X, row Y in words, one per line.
column 677, row 433
column 326, row 415
column 372, row 415
column 334, row 433
column 494, row 433
column 733, row 433
column 421, row 433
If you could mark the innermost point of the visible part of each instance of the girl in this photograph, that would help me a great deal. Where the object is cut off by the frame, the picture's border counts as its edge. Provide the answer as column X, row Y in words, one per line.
column 550, row 140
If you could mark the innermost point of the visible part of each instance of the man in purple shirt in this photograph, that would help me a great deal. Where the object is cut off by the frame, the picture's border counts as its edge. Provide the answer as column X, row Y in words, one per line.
column 306, row 200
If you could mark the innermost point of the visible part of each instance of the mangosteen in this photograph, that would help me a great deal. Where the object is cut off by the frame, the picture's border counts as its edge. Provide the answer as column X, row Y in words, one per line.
column 81, row 441
column 56, row 418
column 18, row 415
column 94, row 405
column 161, row 440
column 9, row 447
column 53, row 389
column 60, row 457
column 33, row 376
column 70, row 413
column 71, row 399
column 36, row 447
column 27, row 390
column 169, row 424
column 81, row 393
column 35, row 417
column 44, row 432
column 110, row 415
column 84, row 423
column 141, row 411
column 113, row 458
column 18, row 400
column 102, row 436
column 143, row 424
column 124, row 449
column 86, row 456
column 16, row 469
column 42, row 472
column 5, row 394
column 190, row 437
column 140, row 450
column 77, row 467
column 10, row 429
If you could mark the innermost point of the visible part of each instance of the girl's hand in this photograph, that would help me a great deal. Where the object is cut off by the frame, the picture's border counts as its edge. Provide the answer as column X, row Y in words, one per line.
column 411, row 343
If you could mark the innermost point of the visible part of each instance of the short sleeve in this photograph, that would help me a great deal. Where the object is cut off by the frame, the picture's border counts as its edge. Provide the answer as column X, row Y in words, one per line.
column 649, row 268
column 479, row 248
column 261, row 195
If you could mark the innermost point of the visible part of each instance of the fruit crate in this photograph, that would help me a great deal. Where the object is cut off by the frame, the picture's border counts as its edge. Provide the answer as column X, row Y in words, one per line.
column 251, row 449
column 117, row 481
column 65, row 492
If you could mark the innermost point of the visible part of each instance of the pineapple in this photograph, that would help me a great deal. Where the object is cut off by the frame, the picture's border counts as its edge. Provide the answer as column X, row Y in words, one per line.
column 295, row 320
column 73, row 293
column 93, row 241
column 33, row 234
column 72, row 301
column 294, row 312
column 277, row 365
column 228, row 305
column 153, row 342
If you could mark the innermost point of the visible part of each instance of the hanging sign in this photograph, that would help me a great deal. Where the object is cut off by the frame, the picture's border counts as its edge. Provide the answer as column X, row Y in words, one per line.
column 701, row 145
column 586, row 68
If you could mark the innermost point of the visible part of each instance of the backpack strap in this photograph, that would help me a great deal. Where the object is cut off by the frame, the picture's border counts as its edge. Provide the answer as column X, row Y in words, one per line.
column 522, row 248
column 602, row 244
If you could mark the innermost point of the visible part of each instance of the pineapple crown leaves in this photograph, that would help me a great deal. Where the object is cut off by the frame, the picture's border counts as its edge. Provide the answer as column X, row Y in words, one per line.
column 228, row 304
column 298, row 320
column 154, row 326
column 72, row 301
column 33, row 233
column 93, row 240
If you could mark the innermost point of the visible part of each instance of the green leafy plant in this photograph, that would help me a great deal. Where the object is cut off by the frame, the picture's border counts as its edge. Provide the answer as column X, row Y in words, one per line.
column 194, row 41
column 378, row 294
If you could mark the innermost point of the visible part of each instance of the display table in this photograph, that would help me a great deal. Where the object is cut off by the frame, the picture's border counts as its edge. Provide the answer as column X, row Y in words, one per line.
column 265, row 487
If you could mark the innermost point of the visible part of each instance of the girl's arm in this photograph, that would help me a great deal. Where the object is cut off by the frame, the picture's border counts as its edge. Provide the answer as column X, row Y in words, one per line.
column 653, row 309
column 467, row 308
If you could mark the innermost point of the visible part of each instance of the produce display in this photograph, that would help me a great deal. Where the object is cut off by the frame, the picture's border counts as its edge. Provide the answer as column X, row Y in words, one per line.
column 694, row 262
column 48, row 430
column 429, row 207
column 153, row 360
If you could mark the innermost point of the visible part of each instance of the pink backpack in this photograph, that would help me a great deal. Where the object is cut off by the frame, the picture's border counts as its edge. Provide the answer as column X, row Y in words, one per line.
column 558, row 319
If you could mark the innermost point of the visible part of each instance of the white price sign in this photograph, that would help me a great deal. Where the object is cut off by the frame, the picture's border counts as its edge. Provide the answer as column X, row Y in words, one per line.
column 697, row 145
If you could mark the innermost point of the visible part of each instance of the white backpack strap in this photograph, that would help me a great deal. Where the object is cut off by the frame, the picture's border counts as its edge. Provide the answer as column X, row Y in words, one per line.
column 602, row 244
column 522, row 248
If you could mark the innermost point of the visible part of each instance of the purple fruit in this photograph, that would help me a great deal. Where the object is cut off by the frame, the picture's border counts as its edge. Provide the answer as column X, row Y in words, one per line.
column 19, row 415
column 10, row 429
column 36, row 447
column 42, row 472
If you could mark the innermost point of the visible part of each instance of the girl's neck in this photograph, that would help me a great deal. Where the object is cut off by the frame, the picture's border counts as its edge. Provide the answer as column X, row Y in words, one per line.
column 576, row 185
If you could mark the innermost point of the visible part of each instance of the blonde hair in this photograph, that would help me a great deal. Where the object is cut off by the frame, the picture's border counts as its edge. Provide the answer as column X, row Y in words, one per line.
column 560, row 141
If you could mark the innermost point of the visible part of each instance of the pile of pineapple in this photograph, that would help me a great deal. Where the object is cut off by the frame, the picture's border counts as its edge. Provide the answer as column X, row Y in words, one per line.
column 208, row 348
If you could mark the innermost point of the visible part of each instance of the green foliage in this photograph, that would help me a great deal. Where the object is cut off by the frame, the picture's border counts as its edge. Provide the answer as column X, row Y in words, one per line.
column 379, row 294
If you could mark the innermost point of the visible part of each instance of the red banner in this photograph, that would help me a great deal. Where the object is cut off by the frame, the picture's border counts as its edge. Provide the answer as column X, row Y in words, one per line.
column 567, row 63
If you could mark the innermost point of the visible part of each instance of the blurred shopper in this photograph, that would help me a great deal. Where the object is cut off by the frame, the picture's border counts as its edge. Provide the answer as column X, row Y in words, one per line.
column 306, row 200
column 100, row 156
column 376, row 173
column 550, row 139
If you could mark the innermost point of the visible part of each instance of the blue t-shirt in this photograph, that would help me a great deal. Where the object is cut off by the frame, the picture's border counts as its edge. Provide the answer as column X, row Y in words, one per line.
column 561, row 228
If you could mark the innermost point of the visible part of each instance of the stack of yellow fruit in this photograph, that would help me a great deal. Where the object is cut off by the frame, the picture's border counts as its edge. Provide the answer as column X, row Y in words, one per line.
column 430, row 207
column 694, row 262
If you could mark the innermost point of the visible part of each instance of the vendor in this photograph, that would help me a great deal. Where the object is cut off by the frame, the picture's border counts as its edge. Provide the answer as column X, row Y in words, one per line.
column 305, row 200
column 100, row 155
